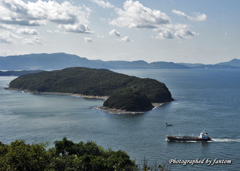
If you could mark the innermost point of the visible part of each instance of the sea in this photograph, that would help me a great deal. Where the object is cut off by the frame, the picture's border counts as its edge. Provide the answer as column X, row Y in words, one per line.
column 205, row 100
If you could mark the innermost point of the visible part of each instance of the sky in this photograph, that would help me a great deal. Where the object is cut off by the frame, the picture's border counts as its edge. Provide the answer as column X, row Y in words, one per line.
column 151, row 30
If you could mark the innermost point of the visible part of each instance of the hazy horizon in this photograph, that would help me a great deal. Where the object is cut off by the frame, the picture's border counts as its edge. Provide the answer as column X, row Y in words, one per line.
column 115, row 60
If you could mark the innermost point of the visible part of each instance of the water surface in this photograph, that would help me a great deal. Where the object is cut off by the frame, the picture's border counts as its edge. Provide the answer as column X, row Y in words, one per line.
column 205, row 100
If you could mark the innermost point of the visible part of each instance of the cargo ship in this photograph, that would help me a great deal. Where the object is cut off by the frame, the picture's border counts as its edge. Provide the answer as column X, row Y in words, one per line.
column 203, row 137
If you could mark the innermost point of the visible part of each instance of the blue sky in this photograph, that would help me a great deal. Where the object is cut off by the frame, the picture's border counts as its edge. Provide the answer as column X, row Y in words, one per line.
column 157, row 30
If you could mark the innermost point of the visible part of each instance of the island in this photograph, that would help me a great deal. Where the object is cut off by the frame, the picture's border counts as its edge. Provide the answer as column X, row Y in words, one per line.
column 128, row 99
column 125, row 92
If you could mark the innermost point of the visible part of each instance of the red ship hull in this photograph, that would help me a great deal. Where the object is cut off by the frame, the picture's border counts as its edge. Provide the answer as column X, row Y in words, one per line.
column 173, row 138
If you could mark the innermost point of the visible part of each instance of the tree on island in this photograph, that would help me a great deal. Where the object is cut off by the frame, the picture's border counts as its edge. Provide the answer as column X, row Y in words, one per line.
column 129, row 99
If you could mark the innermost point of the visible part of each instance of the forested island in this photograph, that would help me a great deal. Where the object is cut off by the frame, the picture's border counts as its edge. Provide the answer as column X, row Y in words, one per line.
column 128, row 93
column 128, row 99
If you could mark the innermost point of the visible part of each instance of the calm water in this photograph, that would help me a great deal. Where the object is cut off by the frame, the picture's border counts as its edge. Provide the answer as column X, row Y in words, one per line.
column 205, row 99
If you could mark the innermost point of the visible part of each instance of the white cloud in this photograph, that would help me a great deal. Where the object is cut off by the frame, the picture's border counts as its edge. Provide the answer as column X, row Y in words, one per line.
column 23, row 22
column 165, row 34
column 199, row 17
column 178, row 26
column 14, row 36
column 171, row 27
column 101, row 36
column 33, row 40
column 114, row 32
column 12, row 52
column 66, row 13
column 77, row 28
column 41, row 12
column 138, row 16
column 181, row 31
column 102, row 19
column 28, row 31
column 7, row 37
column 135, row 15
column 88, row 39
column 6, row 40
column 185, row 33
column 125, row 39
column 7, row 27
column 103, row 4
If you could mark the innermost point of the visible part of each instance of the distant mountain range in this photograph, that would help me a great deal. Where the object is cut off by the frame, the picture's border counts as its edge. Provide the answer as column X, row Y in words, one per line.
column 62, row 60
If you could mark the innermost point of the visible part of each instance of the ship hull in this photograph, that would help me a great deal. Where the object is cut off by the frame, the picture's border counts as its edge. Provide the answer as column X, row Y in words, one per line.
column 172, row 138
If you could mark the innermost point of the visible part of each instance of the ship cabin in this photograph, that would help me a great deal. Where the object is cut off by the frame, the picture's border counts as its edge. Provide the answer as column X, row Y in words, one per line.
column 203, row 135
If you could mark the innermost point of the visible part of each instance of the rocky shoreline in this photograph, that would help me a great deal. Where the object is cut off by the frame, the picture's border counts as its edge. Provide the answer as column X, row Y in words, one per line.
column 110, row 110
column 118, row 111
column 58, row 93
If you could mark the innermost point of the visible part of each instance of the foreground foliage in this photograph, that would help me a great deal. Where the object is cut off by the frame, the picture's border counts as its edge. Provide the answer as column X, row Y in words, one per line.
column 67, row 156
column 21, row 156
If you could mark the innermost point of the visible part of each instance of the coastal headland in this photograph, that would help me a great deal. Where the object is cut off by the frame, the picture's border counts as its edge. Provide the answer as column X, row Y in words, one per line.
column 125, row 92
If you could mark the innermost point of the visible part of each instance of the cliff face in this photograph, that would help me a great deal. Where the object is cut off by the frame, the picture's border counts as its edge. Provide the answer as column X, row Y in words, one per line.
column 86, row 81
column 129, row 100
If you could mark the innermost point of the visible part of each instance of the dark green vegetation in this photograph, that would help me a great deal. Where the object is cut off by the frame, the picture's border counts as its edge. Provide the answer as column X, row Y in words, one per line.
column 67, row 156
column 61, row 60
column 17, row 73
column 86, row 81
column 129, row 99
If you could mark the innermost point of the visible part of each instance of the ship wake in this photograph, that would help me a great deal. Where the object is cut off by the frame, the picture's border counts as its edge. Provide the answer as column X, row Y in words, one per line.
column 225, row 140
column 190, row 141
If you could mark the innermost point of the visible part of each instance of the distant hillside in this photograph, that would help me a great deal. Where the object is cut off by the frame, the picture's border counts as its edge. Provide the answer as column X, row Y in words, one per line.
column 126, row 64
column 86, row 81
column 167, row 65
column 61, row 60
column 234, row 62
column 214, row 66
column 190, row 65
column 45, row 62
